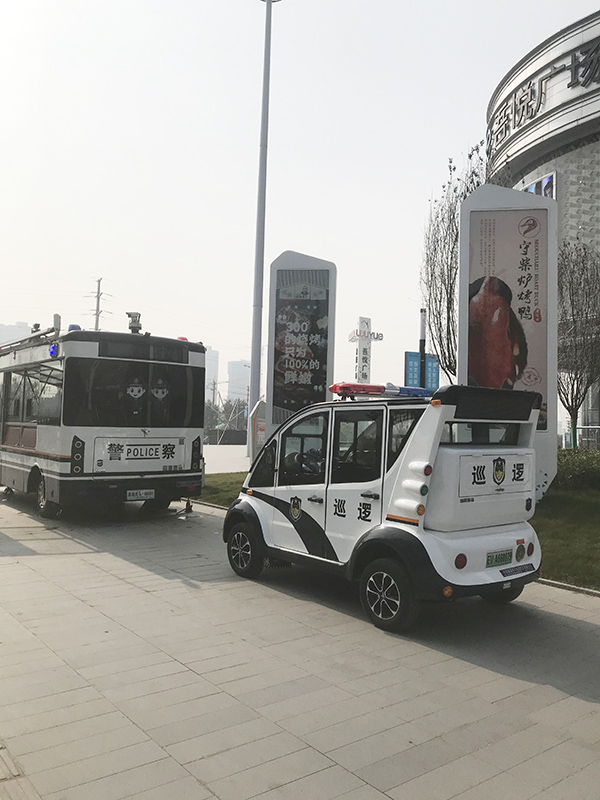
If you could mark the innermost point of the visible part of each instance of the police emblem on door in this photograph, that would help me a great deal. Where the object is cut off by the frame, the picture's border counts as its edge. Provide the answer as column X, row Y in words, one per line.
column 295, row 509
column 499, row 470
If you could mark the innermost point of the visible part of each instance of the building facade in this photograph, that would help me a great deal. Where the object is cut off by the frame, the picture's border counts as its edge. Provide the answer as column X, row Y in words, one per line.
column 543, row 135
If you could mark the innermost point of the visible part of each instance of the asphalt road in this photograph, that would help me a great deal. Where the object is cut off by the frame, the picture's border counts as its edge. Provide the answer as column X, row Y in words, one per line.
column 134, row 663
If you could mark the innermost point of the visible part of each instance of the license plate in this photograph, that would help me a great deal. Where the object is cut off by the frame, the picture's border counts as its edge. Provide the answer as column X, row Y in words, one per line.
column 141, row 494
column 498, row 558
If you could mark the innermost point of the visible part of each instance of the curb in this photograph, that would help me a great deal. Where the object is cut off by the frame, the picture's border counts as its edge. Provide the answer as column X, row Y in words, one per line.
column 569, row 587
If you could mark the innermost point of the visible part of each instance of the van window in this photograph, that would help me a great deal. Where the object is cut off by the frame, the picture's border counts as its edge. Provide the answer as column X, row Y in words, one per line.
column 303, row 451
column 357, row 446
column 481, row 433
column 402, row 423
column 264, row 471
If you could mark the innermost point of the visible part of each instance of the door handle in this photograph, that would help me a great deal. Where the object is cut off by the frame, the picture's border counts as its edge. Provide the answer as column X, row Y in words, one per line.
column 315, row 499
column 370, row 495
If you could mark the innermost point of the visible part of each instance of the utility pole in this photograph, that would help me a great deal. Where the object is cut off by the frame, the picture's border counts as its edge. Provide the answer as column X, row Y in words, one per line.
column 98, row 312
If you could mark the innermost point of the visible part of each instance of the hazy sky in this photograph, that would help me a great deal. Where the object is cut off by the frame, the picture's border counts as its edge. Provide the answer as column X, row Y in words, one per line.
column 129, row 152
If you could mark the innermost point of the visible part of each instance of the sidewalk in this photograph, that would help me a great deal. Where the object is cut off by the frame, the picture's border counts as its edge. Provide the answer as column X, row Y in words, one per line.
column 135, row 664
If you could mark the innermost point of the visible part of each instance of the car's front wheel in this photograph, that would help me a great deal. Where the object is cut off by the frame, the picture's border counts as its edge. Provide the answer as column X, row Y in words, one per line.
column 244, row 551
column 387, row 595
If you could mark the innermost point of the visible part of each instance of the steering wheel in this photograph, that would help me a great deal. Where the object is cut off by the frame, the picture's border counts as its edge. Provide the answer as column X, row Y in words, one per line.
column 310, row 461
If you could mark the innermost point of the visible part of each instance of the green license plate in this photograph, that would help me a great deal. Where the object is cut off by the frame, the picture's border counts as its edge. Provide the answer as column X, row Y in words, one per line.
column 498, row 559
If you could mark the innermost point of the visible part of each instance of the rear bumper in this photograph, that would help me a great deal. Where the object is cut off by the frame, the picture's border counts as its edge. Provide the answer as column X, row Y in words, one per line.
column 114, row 489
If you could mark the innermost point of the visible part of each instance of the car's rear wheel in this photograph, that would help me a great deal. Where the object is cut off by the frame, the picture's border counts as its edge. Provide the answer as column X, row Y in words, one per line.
column 387, row 595
column 500, row 596
column 244, row 551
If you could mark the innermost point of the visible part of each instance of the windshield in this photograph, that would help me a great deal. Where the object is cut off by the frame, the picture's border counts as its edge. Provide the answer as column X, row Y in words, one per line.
column 113, row 393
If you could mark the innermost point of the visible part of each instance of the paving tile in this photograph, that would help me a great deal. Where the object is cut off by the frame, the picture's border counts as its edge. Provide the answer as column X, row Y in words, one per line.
column 245, row 756
column 516, row 748
column 181, row 729
column 352, row 726
column 269, row 776
column 330, row 783
column 554, row 765
column 445, row 782
column 67, row 732
column 184, row 789
column 300, row 705
column 369, row 749
column 407, row 764
column 500, row 787
column 86, row 747
column 210, row 744
column 129, row 783
column 81, row 772
column 40, row 705
column 334, row 717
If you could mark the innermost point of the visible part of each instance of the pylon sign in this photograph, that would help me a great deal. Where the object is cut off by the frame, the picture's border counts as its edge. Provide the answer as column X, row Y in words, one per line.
column 301, row 335
column 507, row 303
column 363, row 336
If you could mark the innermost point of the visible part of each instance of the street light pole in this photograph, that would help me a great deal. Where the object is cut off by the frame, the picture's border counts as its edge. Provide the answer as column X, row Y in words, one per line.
column 259, row 258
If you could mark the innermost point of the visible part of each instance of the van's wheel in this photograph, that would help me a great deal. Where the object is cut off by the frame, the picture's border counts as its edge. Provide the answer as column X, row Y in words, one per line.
column 45, row 507
column 244, row 551
column 501, row 596
column 387, row 595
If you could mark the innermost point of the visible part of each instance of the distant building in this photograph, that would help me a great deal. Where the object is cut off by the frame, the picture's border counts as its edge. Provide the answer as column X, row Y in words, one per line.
column 212, row 374
column 9, row 333
column 238, row 375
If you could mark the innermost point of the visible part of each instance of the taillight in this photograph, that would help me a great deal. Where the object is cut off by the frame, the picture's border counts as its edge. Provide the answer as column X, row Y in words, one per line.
column 460, row 562
column 530, row 549
column 428, row 470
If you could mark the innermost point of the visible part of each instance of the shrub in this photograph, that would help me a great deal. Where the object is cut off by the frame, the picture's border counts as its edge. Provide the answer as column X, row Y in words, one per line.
column 578, row 469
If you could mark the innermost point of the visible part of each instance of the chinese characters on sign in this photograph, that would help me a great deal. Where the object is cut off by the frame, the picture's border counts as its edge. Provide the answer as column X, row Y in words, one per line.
column 579, row 69
column 363, row 336
column 508, row 301
column 301, row 334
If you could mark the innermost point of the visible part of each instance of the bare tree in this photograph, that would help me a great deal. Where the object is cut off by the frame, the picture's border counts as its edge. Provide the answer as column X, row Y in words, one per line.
column 439, row 270
column 578, row 325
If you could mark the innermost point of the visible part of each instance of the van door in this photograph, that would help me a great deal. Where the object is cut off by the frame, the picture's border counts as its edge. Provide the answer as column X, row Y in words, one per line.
column 354, row 494
column 299, row 497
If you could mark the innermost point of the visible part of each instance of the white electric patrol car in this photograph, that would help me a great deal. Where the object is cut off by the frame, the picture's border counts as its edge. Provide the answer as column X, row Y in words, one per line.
column 417, row 498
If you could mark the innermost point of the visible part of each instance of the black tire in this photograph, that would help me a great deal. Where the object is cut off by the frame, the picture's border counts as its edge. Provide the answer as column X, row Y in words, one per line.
column 244, row 551
column 387, row 595
column 501, row 596
column 46, row 508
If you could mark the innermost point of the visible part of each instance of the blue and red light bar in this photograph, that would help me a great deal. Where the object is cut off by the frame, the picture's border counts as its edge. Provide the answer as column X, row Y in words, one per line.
column 377, row 390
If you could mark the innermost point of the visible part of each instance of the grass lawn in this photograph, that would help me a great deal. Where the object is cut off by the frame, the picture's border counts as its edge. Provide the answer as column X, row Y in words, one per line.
column 221, row 490
column 567, row 523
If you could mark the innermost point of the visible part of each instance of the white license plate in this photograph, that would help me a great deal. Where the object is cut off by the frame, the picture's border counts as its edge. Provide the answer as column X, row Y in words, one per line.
column 140, row 494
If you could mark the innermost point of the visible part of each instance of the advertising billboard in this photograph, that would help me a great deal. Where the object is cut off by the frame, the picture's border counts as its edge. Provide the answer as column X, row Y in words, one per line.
column 301, row 334
column 507, row 303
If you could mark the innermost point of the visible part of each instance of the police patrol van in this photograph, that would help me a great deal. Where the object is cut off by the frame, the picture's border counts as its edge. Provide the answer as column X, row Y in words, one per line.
column 417, row 498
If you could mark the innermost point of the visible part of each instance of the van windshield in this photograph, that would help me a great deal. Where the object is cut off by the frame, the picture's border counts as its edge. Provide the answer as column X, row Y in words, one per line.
column 115, row 393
